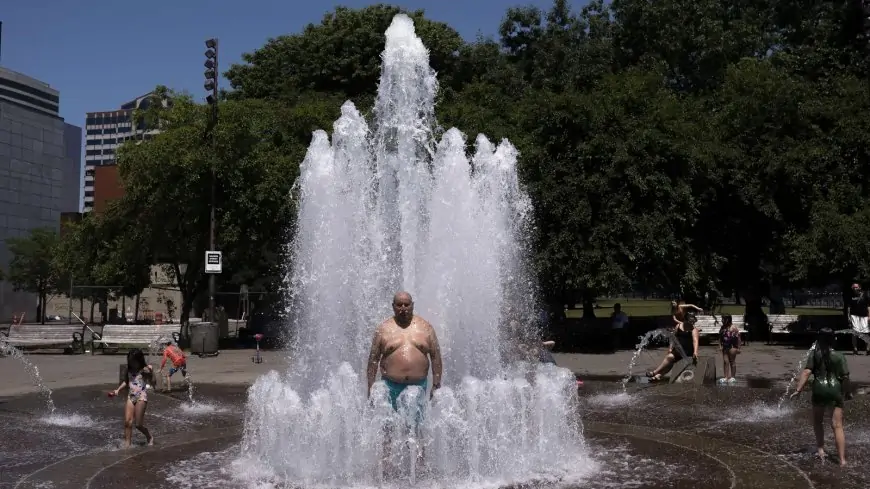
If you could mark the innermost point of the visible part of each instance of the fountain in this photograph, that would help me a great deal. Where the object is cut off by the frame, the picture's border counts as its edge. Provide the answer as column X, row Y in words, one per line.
column 796, row 373
column 645, row 340
column 390, row 208
column 33, row 371
column 863, row 336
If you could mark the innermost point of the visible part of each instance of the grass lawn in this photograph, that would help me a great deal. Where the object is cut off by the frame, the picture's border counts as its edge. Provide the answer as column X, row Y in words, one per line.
column 642, row 308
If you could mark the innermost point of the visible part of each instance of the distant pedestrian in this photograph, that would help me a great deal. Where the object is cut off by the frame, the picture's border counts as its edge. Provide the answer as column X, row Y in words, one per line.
column 830, row 389
column 618, row 322
column 859, row 310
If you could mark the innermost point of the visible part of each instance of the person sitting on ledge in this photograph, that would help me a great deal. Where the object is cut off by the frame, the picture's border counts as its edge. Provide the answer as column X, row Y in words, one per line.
column 687, row 338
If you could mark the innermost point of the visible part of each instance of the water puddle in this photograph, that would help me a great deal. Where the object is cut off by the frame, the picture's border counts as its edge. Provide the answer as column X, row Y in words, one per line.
column 69, row 420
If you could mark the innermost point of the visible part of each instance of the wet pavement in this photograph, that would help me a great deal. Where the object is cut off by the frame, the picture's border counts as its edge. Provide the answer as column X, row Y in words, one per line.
column 656, row 436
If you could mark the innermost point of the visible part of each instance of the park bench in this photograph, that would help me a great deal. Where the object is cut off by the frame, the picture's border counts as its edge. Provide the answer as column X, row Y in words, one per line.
column 710, row 325
column 781, row 324
column 66, row 336
column 118, row 336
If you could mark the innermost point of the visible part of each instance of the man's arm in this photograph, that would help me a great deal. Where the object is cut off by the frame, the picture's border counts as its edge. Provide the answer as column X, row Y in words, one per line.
column 165, row 356
column 435, row 354
column 696, row 337
column 374, row 360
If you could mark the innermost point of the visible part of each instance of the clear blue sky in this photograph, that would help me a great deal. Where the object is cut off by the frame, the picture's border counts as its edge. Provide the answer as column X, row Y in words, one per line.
column 102, row 53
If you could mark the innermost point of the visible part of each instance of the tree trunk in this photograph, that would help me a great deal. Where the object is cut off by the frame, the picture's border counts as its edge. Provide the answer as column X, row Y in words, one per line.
column 136, row 310
column 41, row 307
column 588, row 305
column 777, row 305
column 186, row 306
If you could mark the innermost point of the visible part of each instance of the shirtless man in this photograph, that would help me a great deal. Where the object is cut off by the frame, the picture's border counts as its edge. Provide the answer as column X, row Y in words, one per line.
column 401, row 349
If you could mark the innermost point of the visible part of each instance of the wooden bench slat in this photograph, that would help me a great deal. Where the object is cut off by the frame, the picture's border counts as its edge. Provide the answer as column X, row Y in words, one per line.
column 708, row 325
column 61, row 335
column 779, row 323
column 136, row 334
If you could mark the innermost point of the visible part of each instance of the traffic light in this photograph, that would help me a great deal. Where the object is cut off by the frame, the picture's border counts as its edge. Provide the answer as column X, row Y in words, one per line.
column 211, row 70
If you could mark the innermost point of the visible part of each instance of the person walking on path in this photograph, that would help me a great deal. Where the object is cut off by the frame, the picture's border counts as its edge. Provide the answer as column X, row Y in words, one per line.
column 859, row 310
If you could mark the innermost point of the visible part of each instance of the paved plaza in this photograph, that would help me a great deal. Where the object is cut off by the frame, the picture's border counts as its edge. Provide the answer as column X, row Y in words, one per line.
column 758, row 361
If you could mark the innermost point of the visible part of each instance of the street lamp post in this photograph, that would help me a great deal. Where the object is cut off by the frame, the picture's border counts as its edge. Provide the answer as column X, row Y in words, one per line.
column 211, row 85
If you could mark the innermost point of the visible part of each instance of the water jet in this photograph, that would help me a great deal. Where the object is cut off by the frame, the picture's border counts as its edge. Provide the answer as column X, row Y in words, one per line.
column 391, row 207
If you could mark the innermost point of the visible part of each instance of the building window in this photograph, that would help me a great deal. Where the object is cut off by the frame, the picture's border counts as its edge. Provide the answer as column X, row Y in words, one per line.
column 89, row 193
column 92, row 152
column 94, row 131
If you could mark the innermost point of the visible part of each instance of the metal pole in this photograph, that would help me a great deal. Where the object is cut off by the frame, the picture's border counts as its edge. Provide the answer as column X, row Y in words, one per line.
column 211, row 234
column 71, row 279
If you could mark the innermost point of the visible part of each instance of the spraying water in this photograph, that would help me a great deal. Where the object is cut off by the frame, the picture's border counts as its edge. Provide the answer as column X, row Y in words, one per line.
column 32, row 370
column 800, row 366
column 645, row 340
column 863, row 336
column 389, row 208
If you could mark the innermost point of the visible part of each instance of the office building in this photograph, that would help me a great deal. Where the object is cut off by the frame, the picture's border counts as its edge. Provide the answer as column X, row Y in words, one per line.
column 106, row 131
column 40, row 171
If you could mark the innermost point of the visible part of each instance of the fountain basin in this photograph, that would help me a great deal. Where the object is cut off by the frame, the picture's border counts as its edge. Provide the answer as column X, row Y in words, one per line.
column 655, row 436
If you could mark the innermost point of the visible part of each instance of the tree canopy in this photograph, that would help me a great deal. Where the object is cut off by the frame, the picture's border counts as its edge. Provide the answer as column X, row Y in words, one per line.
column 675, row 146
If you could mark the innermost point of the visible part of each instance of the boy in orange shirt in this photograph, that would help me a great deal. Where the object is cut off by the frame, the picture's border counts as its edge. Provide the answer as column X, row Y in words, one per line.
column 179, row 362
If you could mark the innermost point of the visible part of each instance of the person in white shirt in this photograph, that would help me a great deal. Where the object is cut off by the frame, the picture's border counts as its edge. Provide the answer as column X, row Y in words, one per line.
column 618, row 322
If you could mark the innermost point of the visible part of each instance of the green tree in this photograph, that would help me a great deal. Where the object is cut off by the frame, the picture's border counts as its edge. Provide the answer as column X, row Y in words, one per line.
column 167, row 181
column 100, row 258
column 339, row 56
column 30, row 268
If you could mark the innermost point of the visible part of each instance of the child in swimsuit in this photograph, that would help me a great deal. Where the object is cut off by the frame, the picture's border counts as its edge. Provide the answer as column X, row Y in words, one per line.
column 729, row 340
column 178, row 360
column 137, row 397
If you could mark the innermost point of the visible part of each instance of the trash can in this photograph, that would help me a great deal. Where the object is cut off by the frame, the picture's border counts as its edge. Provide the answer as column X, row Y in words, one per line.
column 204, row 338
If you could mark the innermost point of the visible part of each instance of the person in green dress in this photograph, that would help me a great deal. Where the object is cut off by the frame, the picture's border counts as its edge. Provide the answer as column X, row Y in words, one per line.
column 830, row 388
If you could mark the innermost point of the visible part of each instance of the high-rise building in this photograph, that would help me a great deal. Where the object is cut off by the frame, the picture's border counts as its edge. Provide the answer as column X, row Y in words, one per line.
column 40, row 170
column 106, row 131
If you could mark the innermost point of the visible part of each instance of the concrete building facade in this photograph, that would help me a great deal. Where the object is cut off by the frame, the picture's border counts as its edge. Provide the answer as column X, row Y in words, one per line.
column 40, row 171
column 106, row 131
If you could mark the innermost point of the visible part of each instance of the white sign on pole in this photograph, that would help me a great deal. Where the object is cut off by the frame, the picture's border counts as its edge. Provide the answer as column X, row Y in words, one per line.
column 213, row 262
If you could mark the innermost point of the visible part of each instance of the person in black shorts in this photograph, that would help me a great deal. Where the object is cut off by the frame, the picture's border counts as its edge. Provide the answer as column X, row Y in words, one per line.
column 684, row 343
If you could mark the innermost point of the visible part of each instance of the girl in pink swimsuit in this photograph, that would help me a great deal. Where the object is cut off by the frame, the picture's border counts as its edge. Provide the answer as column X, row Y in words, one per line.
column 137, row 398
